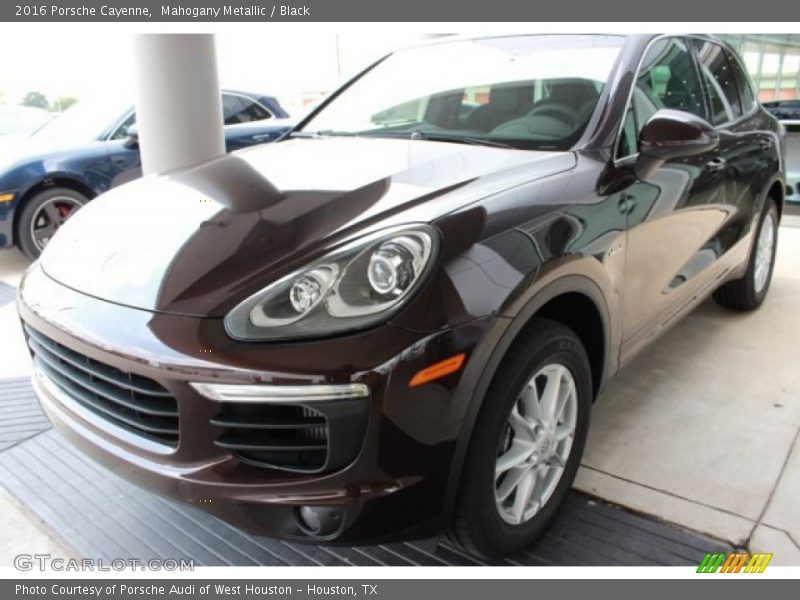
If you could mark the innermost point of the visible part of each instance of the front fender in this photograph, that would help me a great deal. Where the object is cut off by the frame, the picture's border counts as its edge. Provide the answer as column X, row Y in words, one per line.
column 487, row 355
column 26, row 179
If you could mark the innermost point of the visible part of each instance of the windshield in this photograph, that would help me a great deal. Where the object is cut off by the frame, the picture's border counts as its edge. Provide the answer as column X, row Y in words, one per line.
column 533, row 92
column 16, row 119
column 82, row 122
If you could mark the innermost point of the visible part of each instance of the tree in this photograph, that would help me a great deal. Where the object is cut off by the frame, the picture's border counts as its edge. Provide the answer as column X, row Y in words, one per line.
column 63, row 103
column 35, row 99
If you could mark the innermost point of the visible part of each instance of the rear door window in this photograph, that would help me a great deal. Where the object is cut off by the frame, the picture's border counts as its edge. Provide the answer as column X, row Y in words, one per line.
column 746, row 96
column 720, row 83
column 240, row 109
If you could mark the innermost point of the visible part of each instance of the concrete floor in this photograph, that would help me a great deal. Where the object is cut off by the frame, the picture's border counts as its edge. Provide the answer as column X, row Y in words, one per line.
column 700, row 430
column 23, row 533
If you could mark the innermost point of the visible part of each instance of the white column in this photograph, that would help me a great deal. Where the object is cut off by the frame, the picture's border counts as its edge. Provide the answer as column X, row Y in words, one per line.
column 178, row 105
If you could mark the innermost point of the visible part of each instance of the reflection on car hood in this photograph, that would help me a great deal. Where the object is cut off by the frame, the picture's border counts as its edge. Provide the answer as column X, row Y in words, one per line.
column 16, row 147
column 196, row 240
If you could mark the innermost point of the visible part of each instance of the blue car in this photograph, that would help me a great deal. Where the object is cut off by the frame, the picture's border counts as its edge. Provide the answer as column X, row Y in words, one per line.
column 91, row 148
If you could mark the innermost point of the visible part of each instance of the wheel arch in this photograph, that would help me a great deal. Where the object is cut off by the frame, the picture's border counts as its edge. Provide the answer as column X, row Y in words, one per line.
column 574, row 300
column 777, row 191
column 64, row 181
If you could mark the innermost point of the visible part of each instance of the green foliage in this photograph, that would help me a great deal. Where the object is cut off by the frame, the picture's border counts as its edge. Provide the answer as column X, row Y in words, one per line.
column 36, row 99
column 62, row 103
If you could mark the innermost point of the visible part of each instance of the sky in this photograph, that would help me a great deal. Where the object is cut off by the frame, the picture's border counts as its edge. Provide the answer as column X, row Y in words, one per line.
column 285, row 64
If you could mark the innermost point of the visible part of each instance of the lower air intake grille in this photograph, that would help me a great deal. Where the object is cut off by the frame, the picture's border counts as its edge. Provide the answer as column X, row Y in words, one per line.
column 130, row 401
column 304, row 438
column 293, row 437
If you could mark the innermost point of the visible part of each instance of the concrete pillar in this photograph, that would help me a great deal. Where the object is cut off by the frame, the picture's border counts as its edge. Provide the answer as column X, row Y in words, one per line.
column 178, row 105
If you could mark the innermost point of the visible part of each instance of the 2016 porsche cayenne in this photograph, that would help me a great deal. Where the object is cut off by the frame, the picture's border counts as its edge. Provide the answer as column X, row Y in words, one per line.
column 395, row 322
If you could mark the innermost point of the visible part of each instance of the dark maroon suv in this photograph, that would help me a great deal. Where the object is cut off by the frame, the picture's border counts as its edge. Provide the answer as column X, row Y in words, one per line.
column 394, row 322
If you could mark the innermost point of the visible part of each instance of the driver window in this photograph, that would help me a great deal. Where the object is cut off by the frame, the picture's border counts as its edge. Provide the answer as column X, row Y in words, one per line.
column 121, row 132
column 668, row 78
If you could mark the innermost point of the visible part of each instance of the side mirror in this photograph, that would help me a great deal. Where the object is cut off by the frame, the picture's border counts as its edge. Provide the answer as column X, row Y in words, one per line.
column 671, row 134
column 132, row 136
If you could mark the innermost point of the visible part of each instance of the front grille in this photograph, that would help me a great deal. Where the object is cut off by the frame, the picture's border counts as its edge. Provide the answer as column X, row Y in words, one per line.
column 130, row 401
column 288, row 437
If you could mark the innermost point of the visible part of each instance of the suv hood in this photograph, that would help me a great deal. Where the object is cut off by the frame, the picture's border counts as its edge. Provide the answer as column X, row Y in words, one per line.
column 198, row 240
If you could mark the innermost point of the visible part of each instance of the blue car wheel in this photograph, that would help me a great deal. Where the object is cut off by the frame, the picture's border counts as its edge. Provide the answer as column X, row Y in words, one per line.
column 43, row 214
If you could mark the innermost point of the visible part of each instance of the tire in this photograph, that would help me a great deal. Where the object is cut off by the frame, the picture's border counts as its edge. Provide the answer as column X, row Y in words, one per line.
column 43, row 214
column 483, row 524
column 749, row 292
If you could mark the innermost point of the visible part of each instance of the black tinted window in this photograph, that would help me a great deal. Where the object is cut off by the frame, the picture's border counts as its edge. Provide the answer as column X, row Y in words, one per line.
column 668, row 78
column 121, row 132
column 742, row 83
column 239, row 109
column 721, row 85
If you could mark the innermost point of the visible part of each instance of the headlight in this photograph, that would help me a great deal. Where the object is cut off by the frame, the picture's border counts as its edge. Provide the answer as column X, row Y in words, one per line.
column 358, row 285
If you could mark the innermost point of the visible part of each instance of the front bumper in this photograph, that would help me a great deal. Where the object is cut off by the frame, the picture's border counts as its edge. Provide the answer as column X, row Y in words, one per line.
column 7, row 219
column 394, row 487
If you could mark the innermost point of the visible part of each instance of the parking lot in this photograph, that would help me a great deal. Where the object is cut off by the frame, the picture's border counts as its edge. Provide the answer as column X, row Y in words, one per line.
column 700, row 432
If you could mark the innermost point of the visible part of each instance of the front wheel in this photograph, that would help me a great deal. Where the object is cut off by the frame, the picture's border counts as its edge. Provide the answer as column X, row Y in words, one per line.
column 527, row 443
column 749, row 292
column 43, row 214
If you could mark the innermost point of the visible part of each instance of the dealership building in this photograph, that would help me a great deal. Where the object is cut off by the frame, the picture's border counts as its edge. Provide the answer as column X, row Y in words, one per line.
column 773, row 61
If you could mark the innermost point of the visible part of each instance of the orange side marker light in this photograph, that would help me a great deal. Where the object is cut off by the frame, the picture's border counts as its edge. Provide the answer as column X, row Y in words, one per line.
column 437, row 370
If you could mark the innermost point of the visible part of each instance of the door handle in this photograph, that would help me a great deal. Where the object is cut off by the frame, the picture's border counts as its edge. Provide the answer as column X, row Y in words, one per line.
column 626, row 204
column 263, row 137
column 765, row 144
column 716, row 165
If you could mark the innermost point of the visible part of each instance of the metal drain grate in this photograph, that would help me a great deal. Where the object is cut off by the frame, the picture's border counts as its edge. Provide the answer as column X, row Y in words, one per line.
column 7, row 293
column 20, row 414
column 103, row 516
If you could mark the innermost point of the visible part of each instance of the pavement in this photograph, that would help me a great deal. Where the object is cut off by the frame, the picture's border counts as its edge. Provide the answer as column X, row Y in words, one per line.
column 700, row 430
column 23, row 532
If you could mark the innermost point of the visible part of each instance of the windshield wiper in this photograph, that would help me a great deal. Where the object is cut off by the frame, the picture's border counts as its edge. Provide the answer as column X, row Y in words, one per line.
column 323, row 133
column 411, row 135
column 437, row 137
column 457, row 139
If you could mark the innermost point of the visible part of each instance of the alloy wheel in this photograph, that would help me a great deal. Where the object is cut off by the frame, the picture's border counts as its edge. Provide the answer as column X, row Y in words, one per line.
column 536, row 444
column 764, row 253
column 49, row 217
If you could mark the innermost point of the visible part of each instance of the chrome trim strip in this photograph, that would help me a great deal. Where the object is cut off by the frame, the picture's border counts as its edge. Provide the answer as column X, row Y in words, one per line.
column 279, row 394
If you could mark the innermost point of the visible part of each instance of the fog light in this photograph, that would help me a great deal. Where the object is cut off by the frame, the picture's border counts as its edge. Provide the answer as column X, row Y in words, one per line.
column 319, row 520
